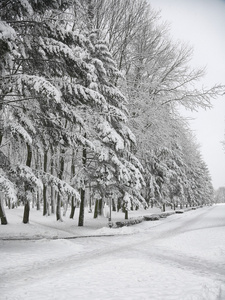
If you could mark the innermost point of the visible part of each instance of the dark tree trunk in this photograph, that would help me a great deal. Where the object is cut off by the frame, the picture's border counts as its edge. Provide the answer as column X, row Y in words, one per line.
column 96, row 209
column 90, row 199
column 52, row 188
column 113, row 205
column 52, row 200
column 8, row 204
column 82, row 194
column 164, row 207
column 126, row 214
column 100, row 206
column 73, row 204
column 29, row 155
column 73, row 207
column 60, row 175
column 38, row 201
column 38, row 198
column 26, row 213
column 58, row 208
column 45, row 200
column 81, row 215
column 1, row 124
column 2, row 212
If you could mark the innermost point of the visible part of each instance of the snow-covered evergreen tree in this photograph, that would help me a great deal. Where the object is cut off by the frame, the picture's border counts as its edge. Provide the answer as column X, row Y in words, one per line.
column 159, row 79
column 58, row 93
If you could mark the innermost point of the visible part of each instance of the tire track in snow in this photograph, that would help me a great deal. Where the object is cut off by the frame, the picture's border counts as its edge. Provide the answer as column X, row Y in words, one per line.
column 200, row 266
column 116, row 247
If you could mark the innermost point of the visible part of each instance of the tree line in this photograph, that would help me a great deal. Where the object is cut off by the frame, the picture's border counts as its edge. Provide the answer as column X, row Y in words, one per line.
column 89, row 109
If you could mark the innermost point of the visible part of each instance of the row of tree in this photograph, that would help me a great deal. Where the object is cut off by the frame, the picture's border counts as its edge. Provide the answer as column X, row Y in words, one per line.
column 89, row 98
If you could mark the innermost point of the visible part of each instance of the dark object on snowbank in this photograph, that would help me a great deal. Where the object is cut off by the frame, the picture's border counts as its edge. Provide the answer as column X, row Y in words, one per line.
column 154, row 217
column 129, row 222
column 166, row 214
column 180, row 211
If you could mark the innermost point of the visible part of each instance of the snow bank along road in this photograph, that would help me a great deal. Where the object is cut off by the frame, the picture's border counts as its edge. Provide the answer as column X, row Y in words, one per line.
column 181, row 258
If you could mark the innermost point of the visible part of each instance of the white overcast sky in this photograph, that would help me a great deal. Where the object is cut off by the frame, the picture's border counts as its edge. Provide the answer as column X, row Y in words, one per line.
column 201, row 23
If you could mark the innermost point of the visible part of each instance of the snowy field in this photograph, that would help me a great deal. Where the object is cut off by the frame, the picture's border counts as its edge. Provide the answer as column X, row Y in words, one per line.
column 181, row 257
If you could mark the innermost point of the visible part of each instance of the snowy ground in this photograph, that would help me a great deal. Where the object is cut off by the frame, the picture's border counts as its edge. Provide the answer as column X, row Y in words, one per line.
column 181, row 257
column 48, row 227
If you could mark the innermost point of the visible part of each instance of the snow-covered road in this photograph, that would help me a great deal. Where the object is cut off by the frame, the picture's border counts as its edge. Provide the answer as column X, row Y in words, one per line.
column 180, row 258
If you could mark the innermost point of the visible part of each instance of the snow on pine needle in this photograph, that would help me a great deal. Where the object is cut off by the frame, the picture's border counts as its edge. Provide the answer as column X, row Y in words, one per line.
column 27, row 173
column 38, row 85
column 8, row 187
column 6, row 32
column 109, row 135
column 19, row 129
column 60, row 185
